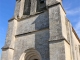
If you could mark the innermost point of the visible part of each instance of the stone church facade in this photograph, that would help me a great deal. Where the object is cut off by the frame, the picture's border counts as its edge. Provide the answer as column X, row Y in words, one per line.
column 40, row 30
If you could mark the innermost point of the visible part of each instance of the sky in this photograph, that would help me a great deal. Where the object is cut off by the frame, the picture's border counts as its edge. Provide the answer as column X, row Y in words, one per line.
column 72, row 8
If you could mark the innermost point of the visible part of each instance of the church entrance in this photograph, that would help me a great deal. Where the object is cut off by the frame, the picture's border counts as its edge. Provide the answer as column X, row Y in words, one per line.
column 30, row 54
column 32, row 57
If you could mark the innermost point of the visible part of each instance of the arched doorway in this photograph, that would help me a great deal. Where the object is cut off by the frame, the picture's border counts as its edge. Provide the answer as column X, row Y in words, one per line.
column 30, row 54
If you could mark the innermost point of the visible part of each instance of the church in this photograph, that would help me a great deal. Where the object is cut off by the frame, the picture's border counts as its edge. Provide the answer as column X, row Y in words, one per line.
column 39, row 30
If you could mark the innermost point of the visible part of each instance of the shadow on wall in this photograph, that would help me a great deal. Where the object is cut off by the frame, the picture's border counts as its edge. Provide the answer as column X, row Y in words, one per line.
column 42, row 36
column 33, row 33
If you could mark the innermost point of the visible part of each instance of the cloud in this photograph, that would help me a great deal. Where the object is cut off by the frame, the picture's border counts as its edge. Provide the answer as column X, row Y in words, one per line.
column 73, row 11
column 77, row 28
column 67, row 5
column 70, row 10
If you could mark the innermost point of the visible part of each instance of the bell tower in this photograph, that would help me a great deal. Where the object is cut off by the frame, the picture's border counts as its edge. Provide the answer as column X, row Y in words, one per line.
column 28, row 7
column 37, row 31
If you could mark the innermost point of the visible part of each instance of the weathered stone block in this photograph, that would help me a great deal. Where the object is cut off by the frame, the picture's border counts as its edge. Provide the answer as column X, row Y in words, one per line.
column 33, row 7
column 7, row 54
column 57, row 50
column 17, row 9
column 55, row 23
column 63, row 22
column 68, row 54
column 10, row 38
column 21, row 9
column 52, row 2
column 34, row 23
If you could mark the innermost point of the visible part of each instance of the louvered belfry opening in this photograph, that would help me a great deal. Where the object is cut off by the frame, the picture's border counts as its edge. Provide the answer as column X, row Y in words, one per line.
column 27, row 6
column 41, row 5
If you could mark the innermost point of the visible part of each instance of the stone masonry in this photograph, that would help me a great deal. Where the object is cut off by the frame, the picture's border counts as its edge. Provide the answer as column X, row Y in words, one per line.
column 40, row 30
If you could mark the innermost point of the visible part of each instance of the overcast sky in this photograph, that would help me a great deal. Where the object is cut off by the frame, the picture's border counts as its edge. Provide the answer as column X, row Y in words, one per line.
column 72, row 8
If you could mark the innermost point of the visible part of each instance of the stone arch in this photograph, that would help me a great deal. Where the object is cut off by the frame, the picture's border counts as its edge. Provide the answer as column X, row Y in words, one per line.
column 30, row 54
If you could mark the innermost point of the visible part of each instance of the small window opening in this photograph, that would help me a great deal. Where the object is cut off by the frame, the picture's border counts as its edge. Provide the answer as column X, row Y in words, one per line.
column 35, row 59
column 41, row 5
column 41, row 1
